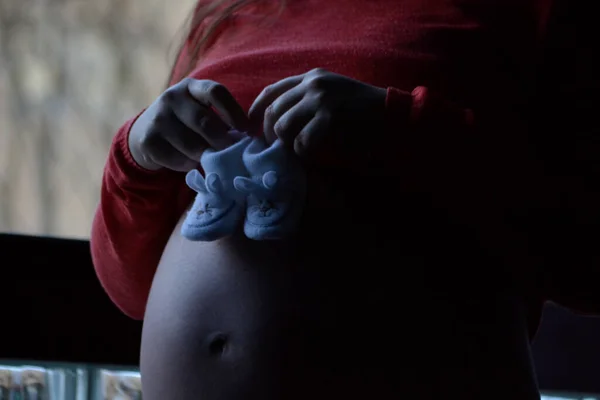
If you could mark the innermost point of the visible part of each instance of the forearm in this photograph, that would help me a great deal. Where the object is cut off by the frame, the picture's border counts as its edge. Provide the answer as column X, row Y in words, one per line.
column 137, row 212
column 530, row 188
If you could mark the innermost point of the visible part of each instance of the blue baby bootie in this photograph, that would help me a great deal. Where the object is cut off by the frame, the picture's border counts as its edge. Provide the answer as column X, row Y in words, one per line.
column 218, row 208
column 275, row 188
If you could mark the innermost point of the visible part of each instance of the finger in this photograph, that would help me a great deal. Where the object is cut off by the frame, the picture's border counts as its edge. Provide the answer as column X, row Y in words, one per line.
column 273, row 123
column 312, row 134
column 164, row 154
column 183, row 139
column 213, row 94
column 204, row 121
column 290, row 124
column 267, row 96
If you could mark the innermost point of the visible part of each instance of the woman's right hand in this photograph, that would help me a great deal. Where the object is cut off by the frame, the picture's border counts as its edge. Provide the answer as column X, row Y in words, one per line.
column 184, row 121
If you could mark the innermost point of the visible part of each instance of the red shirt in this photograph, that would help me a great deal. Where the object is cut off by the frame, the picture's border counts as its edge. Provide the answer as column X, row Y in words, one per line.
column 461, row 76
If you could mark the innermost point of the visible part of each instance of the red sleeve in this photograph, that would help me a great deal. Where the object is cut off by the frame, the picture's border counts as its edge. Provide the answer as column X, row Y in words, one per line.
column 480, row 172
column 418, row 117
column 539, row 189
column 543, row 162
column 137, row 213
column 431, row 144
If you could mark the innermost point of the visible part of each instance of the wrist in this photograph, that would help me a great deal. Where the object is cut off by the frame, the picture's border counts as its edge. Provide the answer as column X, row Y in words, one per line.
column 127, row 174
column 398, row 107
column 134, row 146
column 388, row 145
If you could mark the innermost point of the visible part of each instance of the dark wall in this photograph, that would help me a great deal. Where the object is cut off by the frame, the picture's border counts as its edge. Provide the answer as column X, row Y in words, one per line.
column 54, row 309
column 567, row 351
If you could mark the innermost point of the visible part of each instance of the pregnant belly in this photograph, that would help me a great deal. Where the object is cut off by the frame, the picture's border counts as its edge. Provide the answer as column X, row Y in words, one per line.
column 239, row 319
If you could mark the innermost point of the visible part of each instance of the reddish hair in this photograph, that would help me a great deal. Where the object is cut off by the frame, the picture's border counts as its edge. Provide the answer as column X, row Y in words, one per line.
column 207, row 17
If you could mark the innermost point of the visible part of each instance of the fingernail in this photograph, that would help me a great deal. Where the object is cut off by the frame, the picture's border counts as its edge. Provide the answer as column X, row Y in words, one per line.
column 299, row 147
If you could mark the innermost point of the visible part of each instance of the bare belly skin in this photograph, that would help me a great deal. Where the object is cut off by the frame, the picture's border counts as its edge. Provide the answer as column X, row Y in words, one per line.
column 326, row 317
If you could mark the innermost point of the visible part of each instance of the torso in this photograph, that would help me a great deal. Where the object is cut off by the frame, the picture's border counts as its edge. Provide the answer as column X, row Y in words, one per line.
column 347, row 309
column 467, row 50
column 336, row 313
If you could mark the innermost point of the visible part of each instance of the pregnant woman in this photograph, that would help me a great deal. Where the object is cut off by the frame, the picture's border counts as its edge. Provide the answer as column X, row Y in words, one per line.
column 425, row 248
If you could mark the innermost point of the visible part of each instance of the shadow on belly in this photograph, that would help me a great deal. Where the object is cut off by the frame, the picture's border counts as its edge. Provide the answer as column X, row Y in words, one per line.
column 237, row 319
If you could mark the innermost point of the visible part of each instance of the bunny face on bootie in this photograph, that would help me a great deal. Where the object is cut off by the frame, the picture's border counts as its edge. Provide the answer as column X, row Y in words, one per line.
column 275, row 190
column 212, row 205
column 218, row 208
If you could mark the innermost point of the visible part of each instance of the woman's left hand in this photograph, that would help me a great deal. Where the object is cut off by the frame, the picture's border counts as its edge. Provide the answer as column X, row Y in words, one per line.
column 305, row 109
